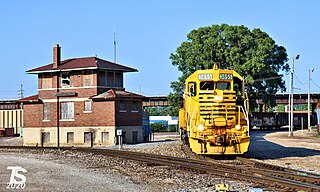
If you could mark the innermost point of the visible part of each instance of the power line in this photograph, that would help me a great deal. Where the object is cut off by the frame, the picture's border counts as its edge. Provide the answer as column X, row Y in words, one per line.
column 299, row 80
column 8, row 91
column 269, row 78
column 315, row 83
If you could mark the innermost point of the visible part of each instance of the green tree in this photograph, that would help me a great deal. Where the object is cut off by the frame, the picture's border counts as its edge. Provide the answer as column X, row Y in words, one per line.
column 159, row 127
column 252, row 53
column 161, row 111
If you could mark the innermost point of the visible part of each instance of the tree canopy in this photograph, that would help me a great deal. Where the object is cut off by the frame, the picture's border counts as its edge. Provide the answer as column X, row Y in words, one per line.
column 252, row 53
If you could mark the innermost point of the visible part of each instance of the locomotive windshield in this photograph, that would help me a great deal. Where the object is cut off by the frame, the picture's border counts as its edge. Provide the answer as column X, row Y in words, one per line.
column 211, row 85
column 223, row 85
column 207, row 85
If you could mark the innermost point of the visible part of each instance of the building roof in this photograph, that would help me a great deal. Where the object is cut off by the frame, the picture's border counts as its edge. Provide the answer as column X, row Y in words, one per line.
column 30, row 99
column 114, row 93
column 82, row 63
column 110, row 94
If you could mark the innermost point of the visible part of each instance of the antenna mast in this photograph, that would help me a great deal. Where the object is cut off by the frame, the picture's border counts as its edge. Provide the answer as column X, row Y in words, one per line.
column 114, row 46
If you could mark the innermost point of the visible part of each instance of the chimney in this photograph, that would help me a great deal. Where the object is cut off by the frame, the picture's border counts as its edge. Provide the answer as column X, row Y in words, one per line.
column 56, row 56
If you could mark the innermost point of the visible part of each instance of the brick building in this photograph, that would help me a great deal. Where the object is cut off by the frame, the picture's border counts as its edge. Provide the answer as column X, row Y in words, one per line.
column 81, row 102
column 10, row 118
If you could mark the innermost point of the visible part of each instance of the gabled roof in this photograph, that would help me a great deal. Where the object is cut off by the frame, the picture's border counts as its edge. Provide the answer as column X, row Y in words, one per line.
column 82, row 63
column 30, row 99
column 115, row 93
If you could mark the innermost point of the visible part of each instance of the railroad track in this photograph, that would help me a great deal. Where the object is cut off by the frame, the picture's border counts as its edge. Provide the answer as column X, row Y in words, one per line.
column 275, row 177
column 291, row 179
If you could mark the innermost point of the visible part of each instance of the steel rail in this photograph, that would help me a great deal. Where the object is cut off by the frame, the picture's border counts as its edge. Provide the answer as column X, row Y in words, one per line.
column 215, row 169
column 275, row 167
column 236, row 172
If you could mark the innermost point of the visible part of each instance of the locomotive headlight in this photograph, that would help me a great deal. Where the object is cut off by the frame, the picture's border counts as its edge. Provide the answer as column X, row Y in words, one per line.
column 238, row 127
column 200, row 127
column 218, row 98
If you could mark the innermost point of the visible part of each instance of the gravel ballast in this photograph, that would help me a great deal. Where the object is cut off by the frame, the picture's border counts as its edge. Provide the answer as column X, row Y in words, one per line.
column 51, row 170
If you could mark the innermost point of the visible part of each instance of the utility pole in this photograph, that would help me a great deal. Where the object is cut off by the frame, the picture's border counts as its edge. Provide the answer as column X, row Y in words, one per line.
column 21, row 91
column 291, row 95
column 289, row 107
column 309, row 129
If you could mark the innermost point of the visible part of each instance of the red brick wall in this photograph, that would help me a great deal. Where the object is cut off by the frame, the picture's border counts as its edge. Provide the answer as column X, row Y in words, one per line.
column 129, row 118
column 81, row 93
column 102, row 115
column 32, row 115
column 76, row 81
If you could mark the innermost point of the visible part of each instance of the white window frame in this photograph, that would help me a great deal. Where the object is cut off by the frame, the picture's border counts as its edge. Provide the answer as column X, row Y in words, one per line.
column 70, row 142
column 67, row 111
column 67, row 79
column 102, row 138
column 87, row 107
column 46, row 112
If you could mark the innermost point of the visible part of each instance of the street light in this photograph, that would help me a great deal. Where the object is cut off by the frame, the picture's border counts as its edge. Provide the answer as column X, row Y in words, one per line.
column 291, row 96
column 309, row 128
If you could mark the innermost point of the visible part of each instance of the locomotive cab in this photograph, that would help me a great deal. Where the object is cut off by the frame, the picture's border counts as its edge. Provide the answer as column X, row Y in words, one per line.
column 214, row 115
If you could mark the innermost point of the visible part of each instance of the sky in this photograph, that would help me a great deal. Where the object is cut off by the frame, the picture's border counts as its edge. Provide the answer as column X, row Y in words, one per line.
column 146, row 33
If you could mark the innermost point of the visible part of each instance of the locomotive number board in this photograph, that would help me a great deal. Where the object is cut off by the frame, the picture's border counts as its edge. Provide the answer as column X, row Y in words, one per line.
column 205, row 76
column 224, row 76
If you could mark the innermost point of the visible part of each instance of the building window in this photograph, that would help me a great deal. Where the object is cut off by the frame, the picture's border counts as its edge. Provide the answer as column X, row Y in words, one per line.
column 134, row 107
column 70, row 137
column 102, row 78
column 88, row 137
column 105, row 137
column 119, row 80
column 87, row 79
column 46, row 111
column 122, row 107
column 88, row 106
column 46, row 81
column 67, row 110
column 110, row 79
column 65, row 79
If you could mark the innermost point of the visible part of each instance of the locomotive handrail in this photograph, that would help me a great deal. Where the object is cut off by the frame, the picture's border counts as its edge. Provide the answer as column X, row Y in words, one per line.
column 194, row 112
column 245, row 115
column 246, row 106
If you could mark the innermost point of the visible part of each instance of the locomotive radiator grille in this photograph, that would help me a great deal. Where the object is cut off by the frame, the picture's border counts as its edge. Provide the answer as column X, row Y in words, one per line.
column 210, row 110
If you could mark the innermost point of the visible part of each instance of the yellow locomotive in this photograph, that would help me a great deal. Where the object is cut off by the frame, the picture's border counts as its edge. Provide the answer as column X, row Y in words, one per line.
column 214, row 118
